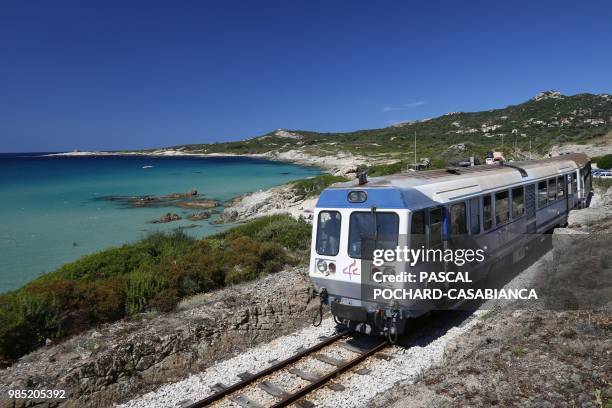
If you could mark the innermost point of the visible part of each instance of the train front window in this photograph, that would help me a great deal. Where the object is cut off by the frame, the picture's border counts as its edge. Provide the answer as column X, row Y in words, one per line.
column 328, row 233
column 372, row 230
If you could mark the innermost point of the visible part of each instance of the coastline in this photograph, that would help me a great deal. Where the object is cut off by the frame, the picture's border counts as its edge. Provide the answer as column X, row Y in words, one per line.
column 276, row 200
column 339, row 164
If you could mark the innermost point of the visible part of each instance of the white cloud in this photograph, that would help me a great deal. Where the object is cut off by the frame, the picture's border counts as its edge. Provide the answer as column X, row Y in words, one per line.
column 403, row 106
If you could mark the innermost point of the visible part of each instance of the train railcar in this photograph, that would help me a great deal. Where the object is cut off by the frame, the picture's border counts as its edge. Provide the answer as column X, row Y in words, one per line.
column 496, row 206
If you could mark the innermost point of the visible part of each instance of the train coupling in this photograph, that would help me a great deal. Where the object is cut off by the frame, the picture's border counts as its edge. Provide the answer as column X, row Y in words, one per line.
column 393, row 329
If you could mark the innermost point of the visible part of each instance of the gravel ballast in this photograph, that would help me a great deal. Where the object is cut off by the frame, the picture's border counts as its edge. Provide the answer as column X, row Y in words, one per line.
column 406, row 363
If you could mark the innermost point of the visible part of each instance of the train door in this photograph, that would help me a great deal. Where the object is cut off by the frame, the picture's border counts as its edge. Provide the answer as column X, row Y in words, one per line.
column 530, row 208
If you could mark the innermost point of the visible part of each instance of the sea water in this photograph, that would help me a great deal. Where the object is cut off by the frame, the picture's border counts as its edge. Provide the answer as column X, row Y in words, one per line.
column 52, row 211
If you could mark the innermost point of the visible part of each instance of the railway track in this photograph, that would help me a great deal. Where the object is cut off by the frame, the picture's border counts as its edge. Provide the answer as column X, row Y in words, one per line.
column 236, row 393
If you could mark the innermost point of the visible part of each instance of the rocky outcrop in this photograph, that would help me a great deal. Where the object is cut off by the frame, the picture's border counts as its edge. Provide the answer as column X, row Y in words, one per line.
column 199, row 216
column 169, row 217
column 277, row 200
column 338, row 164
column 198, row 203
column 590, row 149
column 118, row 361
column 189, row 194
column 548, row 95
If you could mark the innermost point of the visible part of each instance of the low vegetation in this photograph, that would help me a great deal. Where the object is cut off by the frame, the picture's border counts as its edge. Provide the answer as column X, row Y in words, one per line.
column 603, row 162
column 398, row 167
column 152, row 274
column 602, row 184
column 313, row 186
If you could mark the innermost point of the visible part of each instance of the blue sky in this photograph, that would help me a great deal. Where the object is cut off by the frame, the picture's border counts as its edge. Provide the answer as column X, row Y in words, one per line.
column 135, row 74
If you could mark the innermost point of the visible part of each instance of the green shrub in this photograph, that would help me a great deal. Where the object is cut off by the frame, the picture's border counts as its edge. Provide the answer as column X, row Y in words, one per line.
column 151, row 274
column 142, row 285
column 283, row 229
column 107, row 299
column 386, row 169
column 314, row 186
column 290, row 233
column 605, row 162
column 165, row 300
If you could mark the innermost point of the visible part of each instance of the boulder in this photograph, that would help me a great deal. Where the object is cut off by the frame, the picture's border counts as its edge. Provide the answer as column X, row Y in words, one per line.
column 169, row 217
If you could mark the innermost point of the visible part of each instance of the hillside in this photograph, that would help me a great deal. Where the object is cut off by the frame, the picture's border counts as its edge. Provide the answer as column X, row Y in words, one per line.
column 548, row 119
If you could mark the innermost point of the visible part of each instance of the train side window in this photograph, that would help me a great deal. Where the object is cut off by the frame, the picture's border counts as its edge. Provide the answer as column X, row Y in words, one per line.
column 458, row 222
column 328, row 233
column 475, row 216
column 502, row 207
column 518, row 202
column 575, row 183
column 435, row 227
column 570, row 187
column 560, row 187
column 487, row 212
column 417, row 229
column 542, row 194
column 552, row 190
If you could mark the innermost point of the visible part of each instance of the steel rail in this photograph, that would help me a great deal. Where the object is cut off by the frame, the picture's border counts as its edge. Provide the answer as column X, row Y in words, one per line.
column 302, row 392
column 275, row 367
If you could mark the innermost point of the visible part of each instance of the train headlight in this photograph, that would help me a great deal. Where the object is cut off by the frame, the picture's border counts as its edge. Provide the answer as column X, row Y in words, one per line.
column 321, row 265
column 332, row 267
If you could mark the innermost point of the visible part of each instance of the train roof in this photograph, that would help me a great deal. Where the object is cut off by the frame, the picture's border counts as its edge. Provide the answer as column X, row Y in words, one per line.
column 422, row 188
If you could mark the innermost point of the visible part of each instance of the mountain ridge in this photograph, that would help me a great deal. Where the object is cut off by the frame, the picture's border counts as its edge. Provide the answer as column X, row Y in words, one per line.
column 547, row 119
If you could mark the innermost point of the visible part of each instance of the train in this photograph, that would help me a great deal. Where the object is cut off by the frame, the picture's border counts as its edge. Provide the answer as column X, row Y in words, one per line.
column 499, row 207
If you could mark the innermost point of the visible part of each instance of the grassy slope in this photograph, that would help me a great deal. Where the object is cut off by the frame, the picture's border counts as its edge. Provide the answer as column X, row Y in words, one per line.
column 436, row 135
column 151, row 274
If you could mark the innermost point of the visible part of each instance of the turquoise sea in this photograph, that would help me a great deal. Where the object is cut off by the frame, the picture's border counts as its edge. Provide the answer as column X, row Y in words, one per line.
column 52, row 211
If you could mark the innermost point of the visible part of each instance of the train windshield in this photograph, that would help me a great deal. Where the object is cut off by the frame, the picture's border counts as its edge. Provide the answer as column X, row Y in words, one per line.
column 328, row 233
column 372, row 230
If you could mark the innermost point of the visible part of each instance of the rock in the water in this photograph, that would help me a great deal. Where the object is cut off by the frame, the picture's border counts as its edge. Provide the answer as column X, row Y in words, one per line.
column 169, row 217
column 198, row 203
column 199, row 216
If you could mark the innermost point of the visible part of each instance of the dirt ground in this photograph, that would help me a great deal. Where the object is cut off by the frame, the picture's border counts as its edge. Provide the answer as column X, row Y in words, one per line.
column 519, row 359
